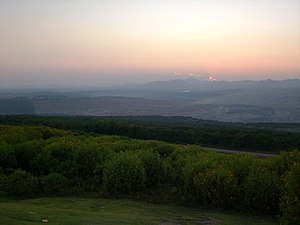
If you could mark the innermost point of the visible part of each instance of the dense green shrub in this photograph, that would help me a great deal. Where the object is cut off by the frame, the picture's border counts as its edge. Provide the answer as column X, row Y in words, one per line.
column 283, row 164
column 154, row 168
column 19, row 134
column 7, row 156
column 124, row 175
column 164, row 150
column 261, row 190
column 176, row 162
column 123, row 166
column 207, row 184
column 54, row 183
column 290, row 201
column 88, row 165
column 241, row 166
column 86, row 157
column 42, row 163
column 2, row 182
column 26, row 154
column 20, row 183
column 60, row 155
column 12, row 134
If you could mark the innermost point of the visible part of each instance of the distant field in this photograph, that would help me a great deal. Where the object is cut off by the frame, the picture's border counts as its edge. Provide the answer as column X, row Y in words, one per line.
column 87, row 211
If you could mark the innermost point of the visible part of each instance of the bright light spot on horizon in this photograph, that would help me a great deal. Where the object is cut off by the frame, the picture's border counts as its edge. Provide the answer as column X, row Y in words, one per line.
column 211, row 78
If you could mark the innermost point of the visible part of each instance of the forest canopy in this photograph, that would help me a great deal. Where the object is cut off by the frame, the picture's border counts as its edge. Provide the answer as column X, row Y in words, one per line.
column 181, row 130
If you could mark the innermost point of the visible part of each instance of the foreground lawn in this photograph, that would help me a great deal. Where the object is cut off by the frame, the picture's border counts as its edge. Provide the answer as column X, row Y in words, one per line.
column 87, row 211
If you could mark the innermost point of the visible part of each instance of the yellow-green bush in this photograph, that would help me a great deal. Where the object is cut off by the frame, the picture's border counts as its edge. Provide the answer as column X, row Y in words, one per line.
column 125, row 174
column 208, row 184
column 290, row 201
column 54, row 183
column 20, row 183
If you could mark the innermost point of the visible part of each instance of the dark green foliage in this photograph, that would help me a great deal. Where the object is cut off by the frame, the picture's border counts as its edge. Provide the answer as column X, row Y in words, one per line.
column 12, row 138
column 154, row 169
column 20, row 183
column 182, row 130
column 209, row 184
column 290, row 202
column 86, row 158
column 26, row 154
column 286, row 161
column 120, row 166
column 124, row 175
column 262, row 190
column 60, row 155
column 88, row 163
column 241, row 166
column 19, row 134
column 54, row 183
column 42, row 163
column 164, row 150
column 7, row 156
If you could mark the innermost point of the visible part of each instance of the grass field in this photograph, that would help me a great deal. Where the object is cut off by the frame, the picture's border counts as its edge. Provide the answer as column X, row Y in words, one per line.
column 87, row 211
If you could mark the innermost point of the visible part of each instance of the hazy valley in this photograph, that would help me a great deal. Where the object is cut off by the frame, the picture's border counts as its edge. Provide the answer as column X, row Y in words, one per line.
column 237, row 101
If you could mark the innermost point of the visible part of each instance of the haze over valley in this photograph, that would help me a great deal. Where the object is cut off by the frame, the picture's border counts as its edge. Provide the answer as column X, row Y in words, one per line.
column 235, row 101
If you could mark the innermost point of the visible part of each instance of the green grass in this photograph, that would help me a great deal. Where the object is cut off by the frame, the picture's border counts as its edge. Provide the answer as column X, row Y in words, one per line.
column 87, row 211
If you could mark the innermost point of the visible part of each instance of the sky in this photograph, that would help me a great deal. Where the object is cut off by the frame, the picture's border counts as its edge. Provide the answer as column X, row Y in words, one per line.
column 103, row 43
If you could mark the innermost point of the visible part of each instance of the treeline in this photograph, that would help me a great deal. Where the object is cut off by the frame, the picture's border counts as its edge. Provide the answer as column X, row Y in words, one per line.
column 41, row 161
column 178, row 130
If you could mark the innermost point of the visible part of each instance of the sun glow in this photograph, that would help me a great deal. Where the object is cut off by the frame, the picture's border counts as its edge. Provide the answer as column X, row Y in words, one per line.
column 231, row 39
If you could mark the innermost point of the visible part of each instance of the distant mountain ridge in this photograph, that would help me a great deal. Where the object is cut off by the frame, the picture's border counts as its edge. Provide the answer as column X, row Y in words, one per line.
column 195, row 84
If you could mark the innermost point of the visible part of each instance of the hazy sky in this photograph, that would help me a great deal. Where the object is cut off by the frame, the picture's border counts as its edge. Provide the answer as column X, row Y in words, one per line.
column 79, row 42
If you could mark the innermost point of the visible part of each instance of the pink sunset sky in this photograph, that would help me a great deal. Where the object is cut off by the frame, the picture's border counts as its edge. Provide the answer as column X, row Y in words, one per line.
column 77, row 42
